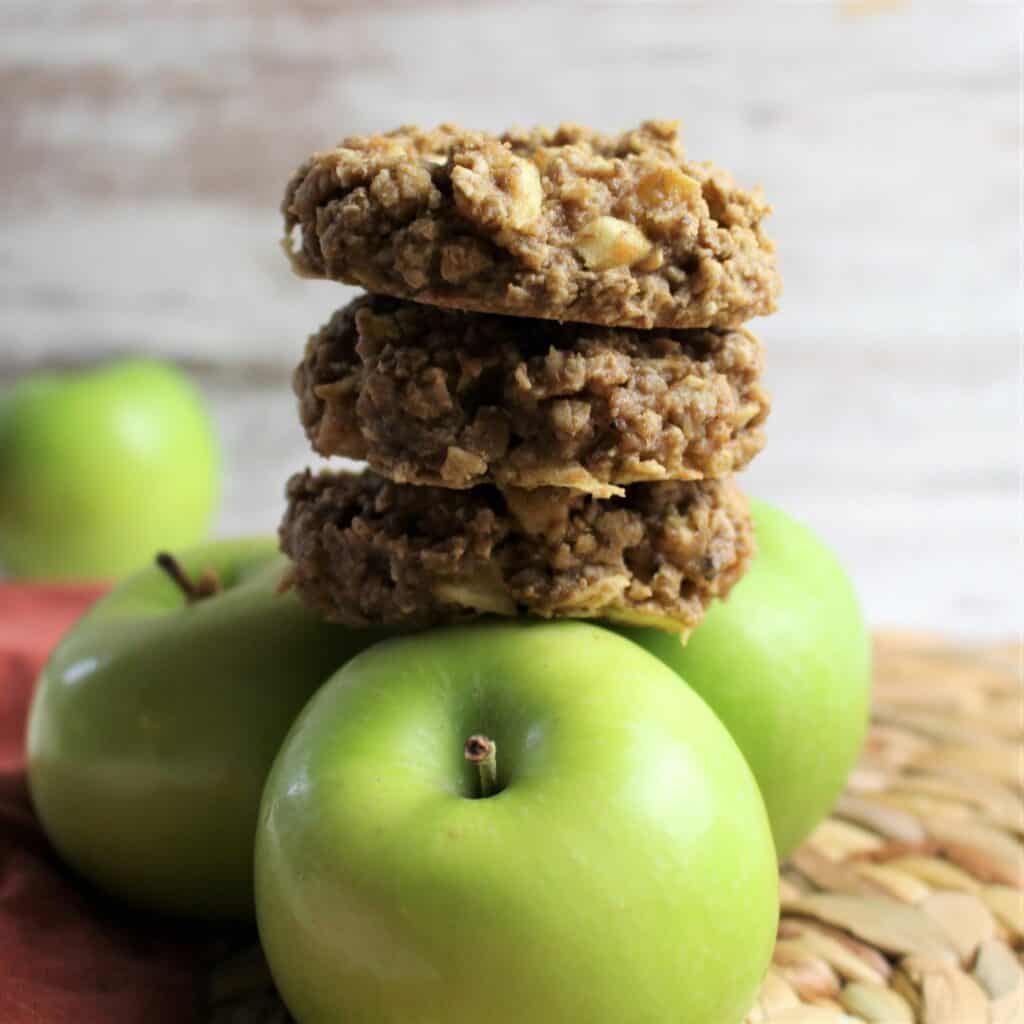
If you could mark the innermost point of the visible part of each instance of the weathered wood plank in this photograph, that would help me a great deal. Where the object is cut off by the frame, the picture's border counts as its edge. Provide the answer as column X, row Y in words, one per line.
column 146, row 144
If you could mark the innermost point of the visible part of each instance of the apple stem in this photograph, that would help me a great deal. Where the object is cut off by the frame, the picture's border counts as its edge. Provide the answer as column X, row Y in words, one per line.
column 483, row 752
column 207, row 584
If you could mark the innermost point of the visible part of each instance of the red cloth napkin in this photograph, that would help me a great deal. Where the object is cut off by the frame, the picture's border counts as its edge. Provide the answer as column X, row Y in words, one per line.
column 66, row 955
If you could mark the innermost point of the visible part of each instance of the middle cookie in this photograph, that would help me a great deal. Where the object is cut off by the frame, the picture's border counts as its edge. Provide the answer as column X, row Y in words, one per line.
column 452, row 399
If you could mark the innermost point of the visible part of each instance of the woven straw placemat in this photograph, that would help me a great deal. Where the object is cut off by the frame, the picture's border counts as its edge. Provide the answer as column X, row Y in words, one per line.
column 908, row 903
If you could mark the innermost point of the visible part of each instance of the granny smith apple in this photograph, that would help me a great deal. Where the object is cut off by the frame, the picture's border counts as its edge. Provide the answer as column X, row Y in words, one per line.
column 98, row 468
column 513, row 822
column 157, row 718
column 785, row 663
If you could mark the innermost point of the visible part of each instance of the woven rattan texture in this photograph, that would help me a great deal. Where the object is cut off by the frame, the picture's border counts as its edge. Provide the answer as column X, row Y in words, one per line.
column 908, row 903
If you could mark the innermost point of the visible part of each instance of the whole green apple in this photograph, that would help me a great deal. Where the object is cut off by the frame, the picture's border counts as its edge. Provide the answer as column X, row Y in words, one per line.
column 99, row 468
column 157, row 718
column 607, row 859
column 785, row 663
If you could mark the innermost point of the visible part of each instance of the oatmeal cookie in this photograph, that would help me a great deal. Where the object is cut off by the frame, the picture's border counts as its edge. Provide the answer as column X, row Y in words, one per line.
column 366, row 551
column 566, row 224
column 452, row 399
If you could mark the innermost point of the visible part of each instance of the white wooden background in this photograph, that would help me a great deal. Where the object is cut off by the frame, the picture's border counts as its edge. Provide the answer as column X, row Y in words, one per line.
column 145, row 144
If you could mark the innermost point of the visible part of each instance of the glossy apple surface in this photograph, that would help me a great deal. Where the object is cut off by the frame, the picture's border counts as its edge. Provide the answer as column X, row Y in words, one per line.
column 154, row 725
column 785, row 663
column 623, row 871
column 100, row 468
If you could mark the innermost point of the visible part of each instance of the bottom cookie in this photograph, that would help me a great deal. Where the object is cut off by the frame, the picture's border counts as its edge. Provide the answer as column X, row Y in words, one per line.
column 366, row 551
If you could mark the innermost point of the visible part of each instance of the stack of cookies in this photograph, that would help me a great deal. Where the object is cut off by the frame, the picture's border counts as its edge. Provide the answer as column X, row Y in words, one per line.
column 547, row 377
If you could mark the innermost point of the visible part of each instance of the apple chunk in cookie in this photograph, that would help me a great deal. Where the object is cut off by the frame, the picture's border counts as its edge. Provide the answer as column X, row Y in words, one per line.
column 450, row 399
column 365, row 551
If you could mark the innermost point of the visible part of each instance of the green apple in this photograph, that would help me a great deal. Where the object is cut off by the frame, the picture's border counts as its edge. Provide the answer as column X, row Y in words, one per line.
column 785, row 663
column 157, row 718
column 616, row 865
column 98, row 468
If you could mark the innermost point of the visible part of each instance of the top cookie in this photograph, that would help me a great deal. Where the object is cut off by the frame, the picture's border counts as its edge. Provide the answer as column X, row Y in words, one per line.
column 565, row 225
